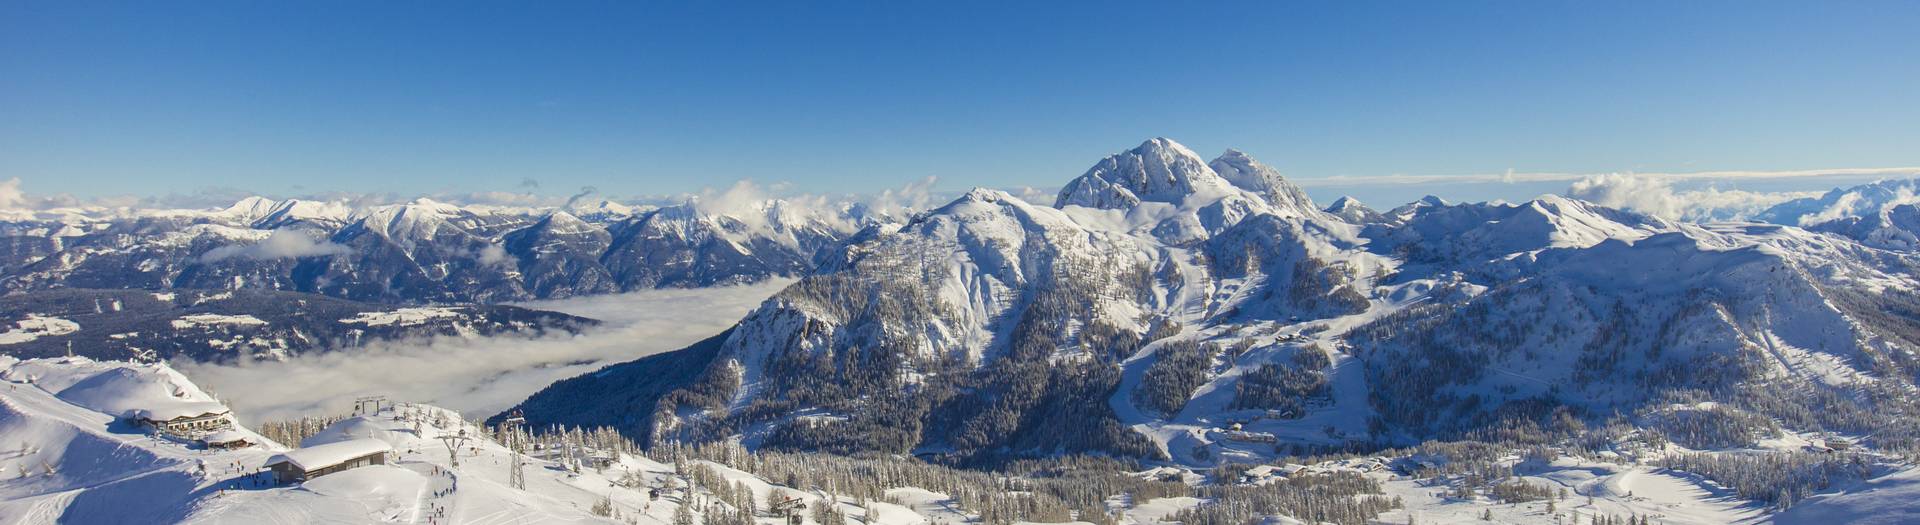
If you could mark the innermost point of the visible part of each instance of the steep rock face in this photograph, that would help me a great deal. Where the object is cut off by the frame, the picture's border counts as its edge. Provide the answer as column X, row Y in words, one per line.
column 679, row 246
column 424, row 251
column 560, row 257
column 1285, row 198
column 1163, row 189
column 949, row 333
column 1159, row 170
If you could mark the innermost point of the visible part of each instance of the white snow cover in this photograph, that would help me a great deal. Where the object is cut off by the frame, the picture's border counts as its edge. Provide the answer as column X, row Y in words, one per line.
column 404, row 316
column 36, row 326
column 191, row 321
column 1165, row 189
column 79, row 469
column 226, row 436
column 172, row 411
column 330, row 454
column 118, row 389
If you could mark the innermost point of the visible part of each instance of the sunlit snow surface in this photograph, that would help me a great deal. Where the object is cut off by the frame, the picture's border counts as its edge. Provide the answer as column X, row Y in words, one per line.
column 35, row 326
column 79, row 464
column 481, row 375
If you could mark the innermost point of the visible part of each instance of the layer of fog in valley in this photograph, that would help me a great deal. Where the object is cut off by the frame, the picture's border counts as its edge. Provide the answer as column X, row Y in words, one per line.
column 480, row 376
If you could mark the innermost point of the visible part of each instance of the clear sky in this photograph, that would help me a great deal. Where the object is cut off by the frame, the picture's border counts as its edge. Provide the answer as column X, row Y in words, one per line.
column 653, row 98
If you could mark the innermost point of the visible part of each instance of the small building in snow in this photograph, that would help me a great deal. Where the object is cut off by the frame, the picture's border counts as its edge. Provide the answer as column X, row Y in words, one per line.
column 185, row 418
column 226, row 439
column 1248, row 437
column 315, row 461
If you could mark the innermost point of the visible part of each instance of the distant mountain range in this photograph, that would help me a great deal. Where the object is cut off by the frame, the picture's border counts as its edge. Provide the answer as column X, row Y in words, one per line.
column 225, row 326
column 268, row 279
column 1167, row 306
column 422, row 251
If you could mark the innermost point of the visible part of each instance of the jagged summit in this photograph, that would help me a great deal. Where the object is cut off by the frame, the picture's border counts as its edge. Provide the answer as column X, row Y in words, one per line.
column 1244, row 172
column 1345, row 203
column 1353, row 211
column 1159, row 170
column 251, row 208
column 267, row 213
column 559, row 221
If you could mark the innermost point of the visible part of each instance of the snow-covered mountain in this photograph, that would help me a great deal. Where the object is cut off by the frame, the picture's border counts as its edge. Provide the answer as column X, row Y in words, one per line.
column 1353, row 211
column 1163, row 298
column 422, row 251
column 1883, row 214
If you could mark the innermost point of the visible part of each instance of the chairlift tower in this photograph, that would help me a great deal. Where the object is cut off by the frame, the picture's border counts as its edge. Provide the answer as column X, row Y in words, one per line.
column 517, row 477
column 362, row 403
column 454, row 442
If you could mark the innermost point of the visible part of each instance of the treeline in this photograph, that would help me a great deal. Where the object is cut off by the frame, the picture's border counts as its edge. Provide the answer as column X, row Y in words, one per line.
column 293, row 431
column 1779, row 479
column 1707, row 425
column 1335, row 497
column 1052, row 490
column 1179, row 367
column 1285, row 388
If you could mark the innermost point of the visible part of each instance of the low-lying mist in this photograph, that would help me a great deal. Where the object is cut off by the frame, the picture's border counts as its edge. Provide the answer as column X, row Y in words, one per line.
column 479, row 376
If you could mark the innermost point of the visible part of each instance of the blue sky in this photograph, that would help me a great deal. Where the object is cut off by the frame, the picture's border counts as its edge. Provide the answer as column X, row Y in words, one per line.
column 635, row 98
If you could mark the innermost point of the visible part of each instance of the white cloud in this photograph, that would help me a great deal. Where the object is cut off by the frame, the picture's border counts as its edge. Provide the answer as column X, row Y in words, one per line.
column 281, row 244
column 1655, row 195
column 1038, row 196
column 916, row 195
column 11, row 198
column 480, row 376
column 493, row 255
column 744, row 200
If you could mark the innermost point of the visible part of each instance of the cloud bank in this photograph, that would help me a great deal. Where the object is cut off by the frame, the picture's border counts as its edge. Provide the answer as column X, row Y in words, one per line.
column 1655, row 195
column 281, row 244
column 10, row 195
column 479, row 376
column 1512, row 177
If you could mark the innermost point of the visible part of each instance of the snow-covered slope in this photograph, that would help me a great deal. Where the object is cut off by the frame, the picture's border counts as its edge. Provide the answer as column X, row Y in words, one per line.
column 80, row 462
column 84, row 464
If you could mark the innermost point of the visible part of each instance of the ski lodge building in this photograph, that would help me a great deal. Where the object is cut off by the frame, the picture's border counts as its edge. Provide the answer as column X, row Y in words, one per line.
column 320, row 460
column 186, row 418
column 226, row 440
